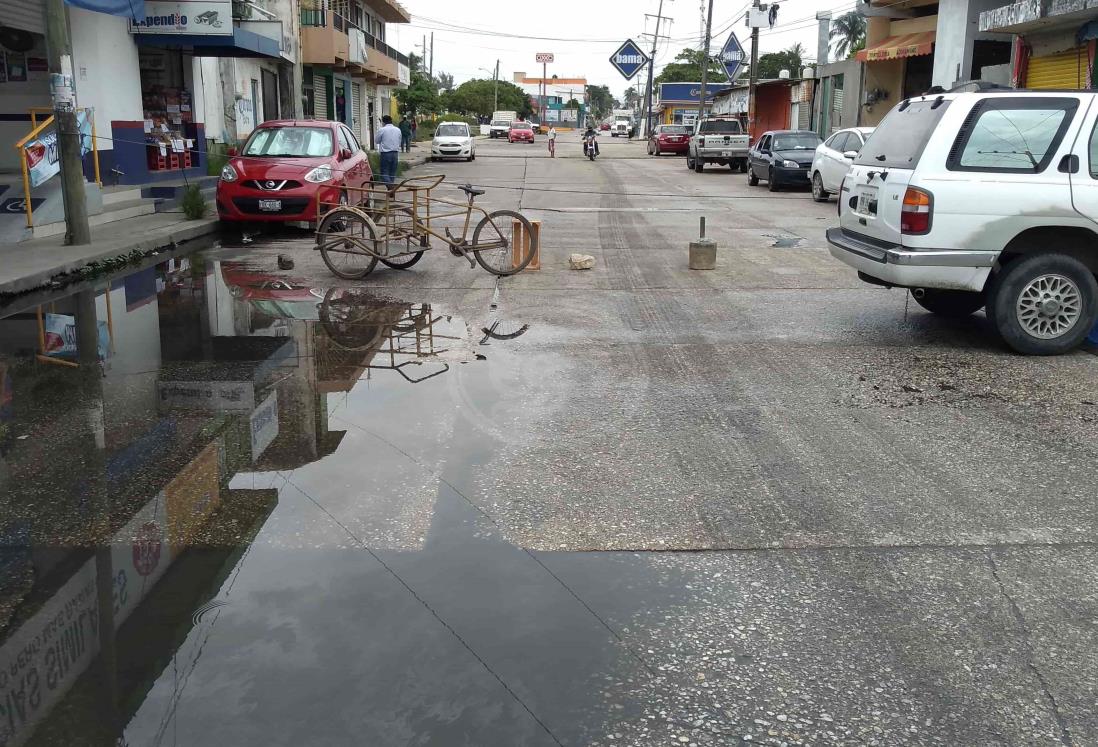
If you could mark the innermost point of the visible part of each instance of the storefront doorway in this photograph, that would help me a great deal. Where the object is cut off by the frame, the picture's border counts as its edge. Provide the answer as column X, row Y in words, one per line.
column 270, row 95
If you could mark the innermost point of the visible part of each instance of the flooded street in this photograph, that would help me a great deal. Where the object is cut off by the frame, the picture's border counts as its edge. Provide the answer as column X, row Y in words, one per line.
column 632, row 505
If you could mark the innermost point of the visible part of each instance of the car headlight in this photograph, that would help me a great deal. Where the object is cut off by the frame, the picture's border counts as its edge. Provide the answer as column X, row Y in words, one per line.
column 228, row 173
column 791, row 164
column 319, row 174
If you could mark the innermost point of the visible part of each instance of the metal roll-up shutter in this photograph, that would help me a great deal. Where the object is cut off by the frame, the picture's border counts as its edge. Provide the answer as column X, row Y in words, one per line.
column 1064, row 70
column 25, row 15
column 320, row 97
column 356, row 107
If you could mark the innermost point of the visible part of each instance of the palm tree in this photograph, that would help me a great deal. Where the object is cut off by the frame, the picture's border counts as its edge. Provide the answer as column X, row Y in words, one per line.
column 848, row 34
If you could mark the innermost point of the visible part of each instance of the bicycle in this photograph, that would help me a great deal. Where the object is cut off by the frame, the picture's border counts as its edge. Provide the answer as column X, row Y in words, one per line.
column 393, row 226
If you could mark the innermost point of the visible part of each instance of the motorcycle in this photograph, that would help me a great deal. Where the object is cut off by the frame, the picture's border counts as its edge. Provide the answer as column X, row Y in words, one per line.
column 590, row 146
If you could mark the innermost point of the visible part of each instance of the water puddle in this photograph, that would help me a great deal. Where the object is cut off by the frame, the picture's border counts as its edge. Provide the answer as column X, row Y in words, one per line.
column 240, row 508
column 782, row 241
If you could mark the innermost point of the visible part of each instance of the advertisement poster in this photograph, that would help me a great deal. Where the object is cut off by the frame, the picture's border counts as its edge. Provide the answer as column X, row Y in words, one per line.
column 61, row 337
column 17, row 67
column 42, row 156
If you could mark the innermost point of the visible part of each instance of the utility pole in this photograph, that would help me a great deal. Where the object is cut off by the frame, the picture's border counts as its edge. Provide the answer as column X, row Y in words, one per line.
column 705, row 60
column 651, row 72
column 423, row 61
column 753, row 81
column 431, row 70
column 495, row 90
column 59, row 50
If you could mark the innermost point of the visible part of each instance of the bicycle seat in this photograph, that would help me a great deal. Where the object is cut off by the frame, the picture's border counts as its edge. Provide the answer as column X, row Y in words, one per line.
column 471, row 191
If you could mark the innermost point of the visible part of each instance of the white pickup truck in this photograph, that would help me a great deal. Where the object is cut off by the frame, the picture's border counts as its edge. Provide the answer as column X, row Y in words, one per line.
column 717, row 140
column 621, row 127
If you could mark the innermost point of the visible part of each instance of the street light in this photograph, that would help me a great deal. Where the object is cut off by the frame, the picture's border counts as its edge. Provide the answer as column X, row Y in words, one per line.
column 495, row 86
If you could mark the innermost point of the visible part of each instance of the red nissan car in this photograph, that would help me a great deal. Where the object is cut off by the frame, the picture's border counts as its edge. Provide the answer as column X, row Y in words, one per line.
column 285, row 165
column 669, row 138
column 520, row 132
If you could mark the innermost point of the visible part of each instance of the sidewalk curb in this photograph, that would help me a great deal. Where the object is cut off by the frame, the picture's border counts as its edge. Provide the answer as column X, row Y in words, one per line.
column 74, row 261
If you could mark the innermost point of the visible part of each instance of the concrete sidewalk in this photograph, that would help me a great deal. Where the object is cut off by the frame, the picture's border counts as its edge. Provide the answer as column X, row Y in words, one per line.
column 41, row 262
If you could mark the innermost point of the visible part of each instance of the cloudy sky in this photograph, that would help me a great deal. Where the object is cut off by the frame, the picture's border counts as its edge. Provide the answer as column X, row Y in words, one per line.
column 583, row 33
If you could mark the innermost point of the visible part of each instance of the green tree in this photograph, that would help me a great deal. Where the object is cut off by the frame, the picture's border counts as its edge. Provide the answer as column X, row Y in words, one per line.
column 848, row 34
column 792, row 59
column 631, row 98
column 421, row 95
column 444, row 81
column 687, row 68
column 478, row 97
column 602, row 101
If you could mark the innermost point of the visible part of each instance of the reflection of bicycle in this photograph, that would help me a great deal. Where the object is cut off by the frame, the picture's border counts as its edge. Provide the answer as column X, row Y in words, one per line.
column 209, row 18
column 353, row 239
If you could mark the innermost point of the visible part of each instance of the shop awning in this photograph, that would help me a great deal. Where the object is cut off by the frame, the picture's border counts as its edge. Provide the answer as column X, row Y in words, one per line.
column 895, row 47
column 242, row 43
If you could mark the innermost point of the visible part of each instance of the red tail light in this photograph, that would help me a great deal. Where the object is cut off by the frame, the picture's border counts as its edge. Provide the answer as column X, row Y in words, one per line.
column 916, row 212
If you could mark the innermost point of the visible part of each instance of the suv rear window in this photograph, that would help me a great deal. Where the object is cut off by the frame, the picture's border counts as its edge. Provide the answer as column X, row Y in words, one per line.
column 899, row 140
column 1012, row 135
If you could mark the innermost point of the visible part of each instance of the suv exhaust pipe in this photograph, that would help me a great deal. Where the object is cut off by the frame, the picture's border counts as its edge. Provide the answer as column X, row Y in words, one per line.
column 919, row 292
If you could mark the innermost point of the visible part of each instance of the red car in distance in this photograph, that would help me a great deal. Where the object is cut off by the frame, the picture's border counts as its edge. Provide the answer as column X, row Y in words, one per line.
column 520, row 132
column 669, row 139
column 285, row 166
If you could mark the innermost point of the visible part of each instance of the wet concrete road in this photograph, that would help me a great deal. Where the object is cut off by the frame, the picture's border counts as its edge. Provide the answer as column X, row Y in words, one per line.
column 765, row 504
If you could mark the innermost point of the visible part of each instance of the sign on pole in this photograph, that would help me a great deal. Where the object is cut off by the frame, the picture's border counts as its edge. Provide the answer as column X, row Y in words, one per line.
column 732, row 57
column 629, row 59
column 544, row 58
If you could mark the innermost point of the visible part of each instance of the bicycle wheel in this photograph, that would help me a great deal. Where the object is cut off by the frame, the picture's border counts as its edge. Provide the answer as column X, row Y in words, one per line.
column 499, row 228
column 341, row 235
column 404, row 262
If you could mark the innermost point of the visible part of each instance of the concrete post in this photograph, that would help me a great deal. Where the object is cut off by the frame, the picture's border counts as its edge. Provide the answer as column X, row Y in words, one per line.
column 703, row 252
column 823, row 37
column 59, row 51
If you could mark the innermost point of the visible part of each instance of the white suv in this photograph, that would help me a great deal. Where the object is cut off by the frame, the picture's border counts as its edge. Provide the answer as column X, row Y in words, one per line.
column 983, row 199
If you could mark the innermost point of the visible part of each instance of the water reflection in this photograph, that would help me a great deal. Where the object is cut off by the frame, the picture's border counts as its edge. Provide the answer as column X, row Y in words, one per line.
column 127, row 413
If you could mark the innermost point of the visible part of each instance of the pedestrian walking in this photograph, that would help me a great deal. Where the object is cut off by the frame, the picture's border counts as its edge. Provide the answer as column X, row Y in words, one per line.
column 388, row 147
column 405, row 134
column 414, row 128
column 552, row 141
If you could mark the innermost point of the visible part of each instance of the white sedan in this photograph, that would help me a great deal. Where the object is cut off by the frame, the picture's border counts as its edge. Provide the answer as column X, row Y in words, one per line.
column 453, row 140
column 833, row 159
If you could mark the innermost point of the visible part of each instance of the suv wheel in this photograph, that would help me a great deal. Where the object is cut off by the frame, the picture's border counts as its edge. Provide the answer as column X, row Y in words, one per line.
column 819, row 194
column 699, row 165
column 689, row 162
column 1043, row 304
column 952, row 303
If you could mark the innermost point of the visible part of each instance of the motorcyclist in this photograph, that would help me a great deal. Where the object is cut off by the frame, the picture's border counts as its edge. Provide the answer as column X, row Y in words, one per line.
column 590, row 136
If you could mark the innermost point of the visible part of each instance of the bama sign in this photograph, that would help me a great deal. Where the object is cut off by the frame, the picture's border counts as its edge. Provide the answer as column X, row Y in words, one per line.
column 732, row 57
column 629, row 59
column 191, row 17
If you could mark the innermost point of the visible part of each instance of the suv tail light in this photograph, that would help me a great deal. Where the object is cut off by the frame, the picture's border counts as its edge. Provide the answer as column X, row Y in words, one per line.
column 916, row 212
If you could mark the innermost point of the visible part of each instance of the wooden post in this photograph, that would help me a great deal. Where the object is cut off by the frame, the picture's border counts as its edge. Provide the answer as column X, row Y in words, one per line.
column 522, row 244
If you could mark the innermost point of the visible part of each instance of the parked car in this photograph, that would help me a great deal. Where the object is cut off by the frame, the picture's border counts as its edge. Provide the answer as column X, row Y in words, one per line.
column 605, row 127
column 453, row 140
column 782, row 157
column 520, row 132
column 982, row 200
column 717, row 140
column 499, row 128
column 286, row 167
column 833, row 159
column 669, row 139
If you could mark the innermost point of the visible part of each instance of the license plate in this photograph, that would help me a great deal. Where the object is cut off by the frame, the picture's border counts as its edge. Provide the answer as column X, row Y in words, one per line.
column 272, row 206
column 867, row 201
column 725, row 153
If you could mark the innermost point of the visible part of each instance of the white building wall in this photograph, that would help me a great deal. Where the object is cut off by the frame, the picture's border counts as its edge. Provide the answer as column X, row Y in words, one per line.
column 958, row 27
column 108, row 76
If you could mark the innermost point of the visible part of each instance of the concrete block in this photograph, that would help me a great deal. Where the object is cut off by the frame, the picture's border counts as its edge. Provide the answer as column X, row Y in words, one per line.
column 703, row 254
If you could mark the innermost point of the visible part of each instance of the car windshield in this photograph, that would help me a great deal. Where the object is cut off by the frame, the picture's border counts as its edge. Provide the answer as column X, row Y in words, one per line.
column 721, row 127
column 290, row 142
column 452, row 130
column 899, row 140
column 796, row 141
column 520, row 126
column 675, row 130
column 499, row 123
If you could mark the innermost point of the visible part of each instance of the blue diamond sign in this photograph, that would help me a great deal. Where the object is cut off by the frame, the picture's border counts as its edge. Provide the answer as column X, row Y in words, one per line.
column 731, row 56
column 629, row 59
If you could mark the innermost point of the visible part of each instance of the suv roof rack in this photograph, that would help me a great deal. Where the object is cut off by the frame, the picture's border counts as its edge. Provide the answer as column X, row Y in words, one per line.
column 977, row 86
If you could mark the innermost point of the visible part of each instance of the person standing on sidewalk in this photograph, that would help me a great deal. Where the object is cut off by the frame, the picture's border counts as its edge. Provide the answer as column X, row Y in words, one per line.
column 414, row 128
column 552, row 141
column 405, row 134
column 388, row 147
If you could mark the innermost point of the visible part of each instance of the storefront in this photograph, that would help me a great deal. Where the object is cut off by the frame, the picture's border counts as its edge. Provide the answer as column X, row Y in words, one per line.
column 167, row 103
column 1054, row 46
column 678, row 102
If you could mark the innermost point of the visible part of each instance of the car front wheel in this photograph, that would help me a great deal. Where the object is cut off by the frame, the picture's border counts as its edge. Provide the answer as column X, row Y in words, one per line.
column 819, row 194
column 1043, row 304
column 771, row 182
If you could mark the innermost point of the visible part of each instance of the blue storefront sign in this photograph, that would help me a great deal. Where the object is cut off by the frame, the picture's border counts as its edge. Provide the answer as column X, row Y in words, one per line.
column 684, row 92
column 629, row 59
